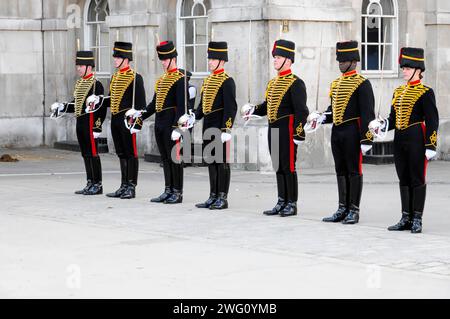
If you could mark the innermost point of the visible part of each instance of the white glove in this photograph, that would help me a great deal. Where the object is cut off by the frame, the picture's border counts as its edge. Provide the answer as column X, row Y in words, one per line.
column 175, row 135
column 96, row 134
column 297, row 142
column 192, row 92
column 316, row 116
column 377, row 124
column 134, row 113
column 430, row 154
column 365, row 148
column 225, row 137
column 378, row 127
column 134, row 131
column 186, row 121
column 57, row 106
column 91, row 102
column 247, row 110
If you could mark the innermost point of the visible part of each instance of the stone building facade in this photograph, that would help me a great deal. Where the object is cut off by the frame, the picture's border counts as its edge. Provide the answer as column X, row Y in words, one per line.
column 38, row 41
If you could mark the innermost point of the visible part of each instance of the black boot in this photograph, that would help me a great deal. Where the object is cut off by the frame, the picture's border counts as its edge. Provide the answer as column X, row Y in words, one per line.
column 419, row 195
column 355, row 187
column 96, row 188
column 213, row 188
column 212, row 198
column 175, row 198
column 281, row 187
column 221, row 202
column 124, row 179
column 88, row 168
column 342, row 210
column 292, row 192
column 405, row 221
column 167, row 181
column 133, row 169
column 177, row 178
column 223, row 185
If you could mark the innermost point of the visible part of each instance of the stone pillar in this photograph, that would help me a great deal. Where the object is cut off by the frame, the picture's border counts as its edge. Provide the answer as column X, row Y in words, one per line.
column 438, row 66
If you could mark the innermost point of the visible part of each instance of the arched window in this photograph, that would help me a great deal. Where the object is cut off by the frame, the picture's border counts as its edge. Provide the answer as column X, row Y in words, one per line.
column 378, row 17
column 193, row 35
column 96, row 35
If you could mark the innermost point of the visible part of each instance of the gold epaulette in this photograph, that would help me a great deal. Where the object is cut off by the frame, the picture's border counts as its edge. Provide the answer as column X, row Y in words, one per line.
column 119, row 84
column 210, row 87
column 82, row 88
column 405, row 97
column 276, row 89
column 163, row 86
column 341, row 91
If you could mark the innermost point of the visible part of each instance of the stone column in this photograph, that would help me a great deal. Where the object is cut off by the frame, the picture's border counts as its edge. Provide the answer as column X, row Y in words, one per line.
column 438, row 66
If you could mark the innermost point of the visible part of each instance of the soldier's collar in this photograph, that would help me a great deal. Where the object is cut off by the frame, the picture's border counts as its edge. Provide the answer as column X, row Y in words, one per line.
column 173, row 70
column 349, row 73
column 88, row 76
column 414, row 83
column 125, row 69
column 284, row 73
column 219, row 71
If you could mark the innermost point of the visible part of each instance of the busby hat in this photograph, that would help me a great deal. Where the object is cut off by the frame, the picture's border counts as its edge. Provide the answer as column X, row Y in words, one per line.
column 85, row 58
column 123, row 50
column 218, row 51
column 347, row 51
column 166, row 50
column 413, row 58
column 284, row 48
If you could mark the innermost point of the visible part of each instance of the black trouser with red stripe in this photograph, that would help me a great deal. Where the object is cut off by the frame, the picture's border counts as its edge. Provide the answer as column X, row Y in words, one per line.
column 283, row 152
column 218, row 167
column 346, row 148
column 89, row 145
column 411, row 167
column 170, row 152
column 126, row 149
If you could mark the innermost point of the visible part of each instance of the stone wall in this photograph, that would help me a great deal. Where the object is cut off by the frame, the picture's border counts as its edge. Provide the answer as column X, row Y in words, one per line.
column 33, row 74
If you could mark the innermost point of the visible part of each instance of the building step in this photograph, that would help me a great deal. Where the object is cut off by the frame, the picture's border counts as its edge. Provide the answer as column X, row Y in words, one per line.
column 75, row 147
column 381, row 153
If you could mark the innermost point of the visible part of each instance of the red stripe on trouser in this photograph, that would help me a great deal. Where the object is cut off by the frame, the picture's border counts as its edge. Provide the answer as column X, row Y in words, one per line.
column 291, row 144
column 227, row 151
column 360, row 162
column 133, row 136
column 177, row 143
column 91, row 132
column 425, row 164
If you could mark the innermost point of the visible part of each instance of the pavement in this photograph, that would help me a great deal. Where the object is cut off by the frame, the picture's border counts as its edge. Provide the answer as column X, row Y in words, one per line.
column 55, row 244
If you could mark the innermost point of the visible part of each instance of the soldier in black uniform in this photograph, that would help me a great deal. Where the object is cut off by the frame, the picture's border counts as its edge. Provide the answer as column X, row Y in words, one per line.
column 89, row 125
column 286, row 110
column 415, row 117
column 351, row 110
column 169, row 105
column 218, row 109
column 123, row 92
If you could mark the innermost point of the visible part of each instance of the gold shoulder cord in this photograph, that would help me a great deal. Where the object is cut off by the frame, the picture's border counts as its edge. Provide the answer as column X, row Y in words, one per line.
column 342, row 90
column 276, row 90
column 118, row 86
column 82, row 88
column 210, row 87
column 163, row 86
column 405, row 97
